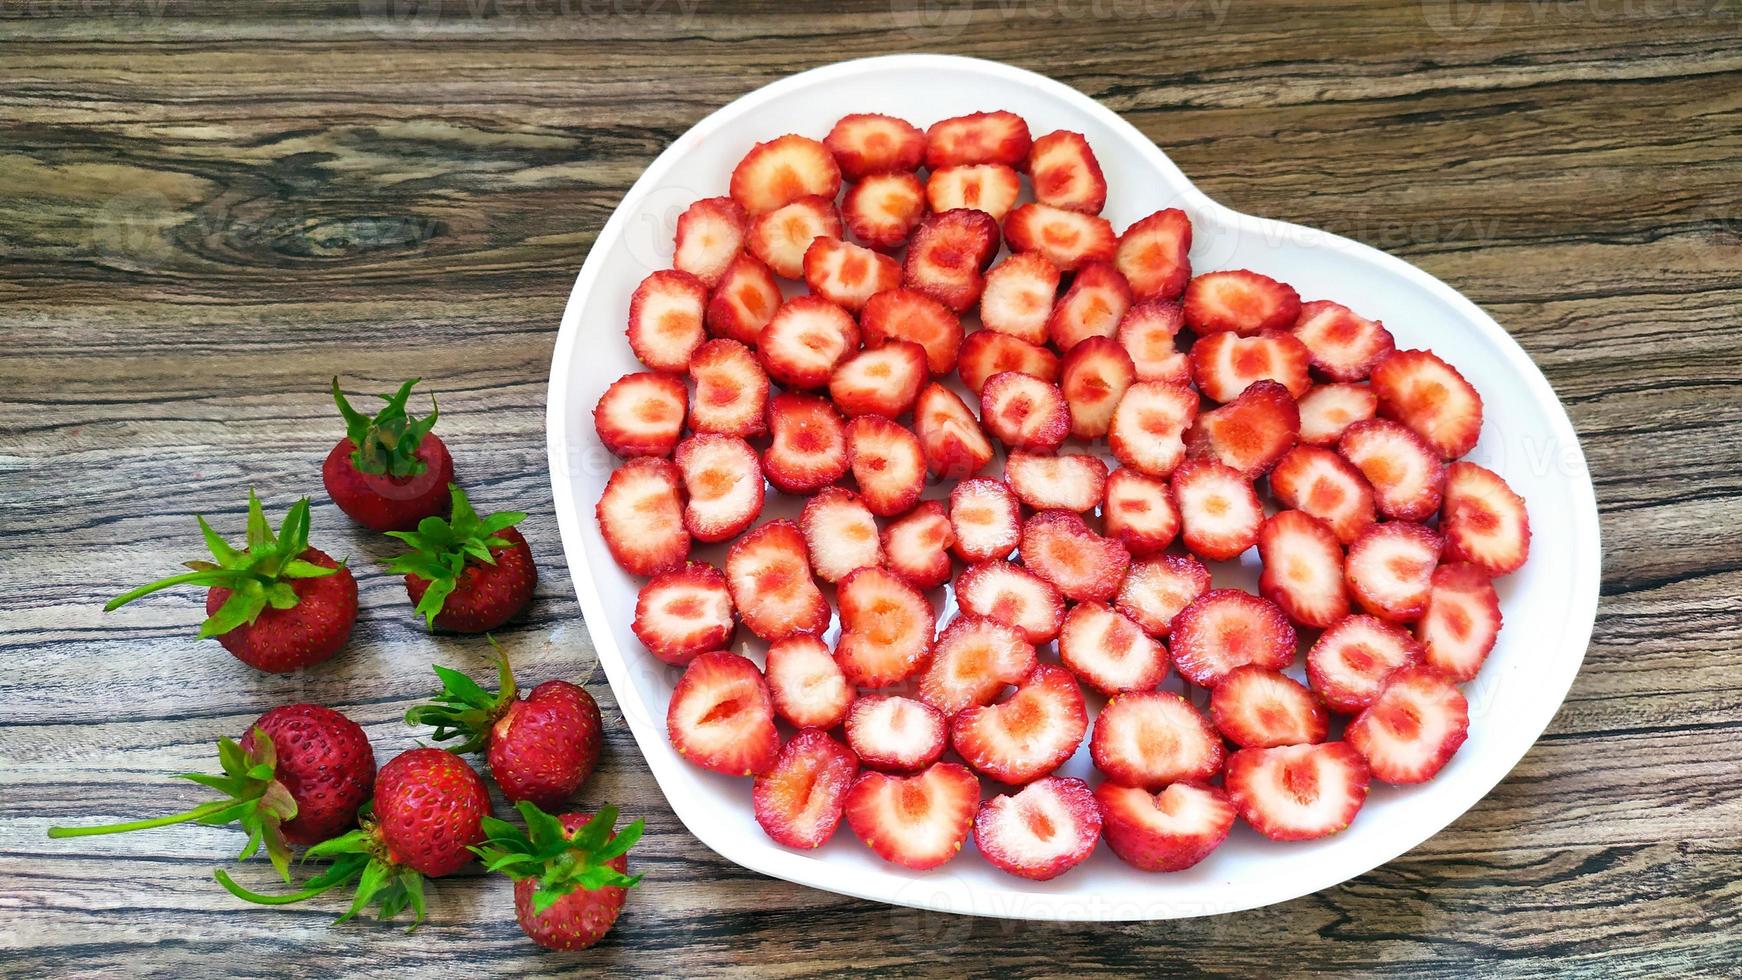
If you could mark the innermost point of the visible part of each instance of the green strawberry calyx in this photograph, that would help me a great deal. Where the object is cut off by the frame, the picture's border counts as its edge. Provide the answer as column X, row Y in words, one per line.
column 387, row 444
column 561, row 863
column 464, row 708
column 257, row 577
column 358, row 856
column 441, row 548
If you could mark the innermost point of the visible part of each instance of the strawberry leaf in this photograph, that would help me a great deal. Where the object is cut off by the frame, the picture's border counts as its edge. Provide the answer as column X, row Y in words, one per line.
column 387, row 444
column 441, row 548
column 462, row 708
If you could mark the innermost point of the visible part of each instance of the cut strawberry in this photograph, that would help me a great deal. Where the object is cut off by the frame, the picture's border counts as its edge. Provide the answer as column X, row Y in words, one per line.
column 1155, row 591
column 1303, row 569
column 1153, row 255
column 1147, row 333
column 1349, row 662
column 1149, row 425
column 980, row 137
column 1225, row 364
column 1298, row 792
column 1219, row 511
column 866, row 143
column 805, row 339
column 895, row 734
column 1256, row 709
column 1066, row 174
column 640, row 516
column 918, row 544
column 641, row 414
column 988, row 187
column 880, row 381
column 1028, row 734
column 1139, row 512
column 1413, row 727
column 1406, row 476
column 809, row 447
column 771, row 583
column 1151, row 738
column 1019, row 295
column 973, row 661
column 1241, row 301
column 1068, row 239
column 949, row 434
column 1390, row 569
column 1250, row 433
column 665, row 320
column 1484, row 522
column 988, row 352
column 731, row 390
column 1340, row 343
column 840, row 534
column 1167, row 831
column 1096, row 301
column 745, row 299
column 721, row 716
column 800, row 800
column 783, row 170
column 918, row 822
column 1425, row 393
column 1226, row 628
column 886, row 628
column 883, row 210
column 1070, row 482
column 1010, row 594
column 949, row 252
column 985, row 520
column 710, row 234
column 1461, row 622
column 1109, row 652
column 1323, row 484
column 1024, row 412
column 722, row 483
column 1048, row 828
column 846, row 274
column 1082, row 565
column 683, row 613
column 807, row 685
column 902, row 314
column 782, row 236
column 1095, row 375
column 888, row 464
column 1327, row 410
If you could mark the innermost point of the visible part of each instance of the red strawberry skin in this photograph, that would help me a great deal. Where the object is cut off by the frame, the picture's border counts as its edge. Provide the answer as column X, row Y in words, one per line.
column 546, row 745
column 429, row 809
column 381, row 502
column 326, row 764
column 308, row 633
column 579, row 919
column 486, row 596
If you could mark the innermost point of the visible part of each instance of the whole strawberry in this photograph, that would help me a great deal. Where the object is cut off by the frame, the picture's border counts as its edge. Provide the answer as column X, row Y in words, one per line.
column 297, row 777
column 540, row 748
column 277, row 606
column 390, row 471
column 467, row 574
column 571, row 873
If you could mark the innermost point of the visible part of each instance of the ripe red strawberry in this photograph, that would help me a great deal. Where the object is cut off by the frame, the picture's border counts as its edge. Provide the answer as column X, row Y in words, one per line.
column 1149, row 426
column 902, row 314
column 1425, row 393
column 917, row 545
column 886, row 628
column 1224, row 364
column 988, row 352
column 805, row 339
column 1010, row 594
column 1094, row 304
column 1039, row 833
column 721, row 716
column 1220, row 514
column 1462, row 619
column 782, row 170
column 799, row 802
column 840, row 534
column 883, row 209
column 1082, row 565
column 685, row 612
column 866, row 143
column 846, row 274
column 782, row 236
column 1349, row 662
column 1068, row 239
column 1303, row 569
column 665, row 319
column 1406, row 476
column 638, row 415
column 1028, row 734
column 571, row 873
column 1139, row 512
column 278, row 606
column 972, row 662
column 1167, row 831
column 710, row 235
column 1483, row 521
column 1019, row 295
column 1146, row 331
column 989, row 187
column 881, row 381
column 1155, row 591
column 1151, row 738
column 297, row 777
column 391, row 471
column 807, row 685
column 888, row 464
column 1323, row 484
column 722, row 485
column 468, row 574
column 640, row 516
column 949, row 252
column 745, row 299
column 1298, row 792
column 1066, row 174
column 979, row 137
column 895, row 734
column 918, row 822
column 1024, row 412
column 809, row 446
column 731, row 390
column 1108, row 651
column 1073, row 481
column 1410, row 731
column 1239, row 300
column 770, row 581
column 1257, row 708
column 985, row 520
column 1095, row 375
column 1249, row 433
column 1340, row 343
column 1327, row 410
column 950, row 436
column 1390, row 568
column 1152, row 254
column 1226, row 628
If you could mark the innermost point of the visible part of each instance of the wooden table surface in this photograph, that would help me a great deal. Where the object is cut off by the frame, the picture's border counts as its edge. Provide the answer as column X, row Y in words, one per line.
column 209, row 208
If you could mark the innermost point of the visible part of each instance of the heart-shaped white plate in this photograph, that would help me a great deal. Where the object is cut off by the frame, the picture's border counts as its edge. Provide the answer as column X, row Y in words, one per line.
column 1549, row 605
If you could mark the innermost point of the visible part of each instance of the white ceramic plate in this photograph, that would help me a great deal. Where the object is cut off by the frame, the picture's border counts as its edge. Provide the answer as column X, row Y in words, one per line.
column 1549, row 606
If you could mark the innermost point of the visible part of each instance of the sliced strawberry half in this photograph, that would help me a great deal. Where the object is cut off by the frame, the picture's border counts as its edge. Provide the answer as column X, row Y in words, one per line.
column 721, row 716
column 1303, row 569
column 807, row 685
column 883, row 209
column 809, row 446
column 1147, row 332
column 1019, row 295
column 895, row 734
column 918, row 822
column 1152, row 254
column 988, row 352
column 665, row 320
column 731, row 390
column 979, row 137
column 846, row 274
column 745, row 299
column 1257, row 708
column 1024, row 412
column 902, row 314
column 1074, row 481
column 1155, row 591
column 918, row 545
column 710, row 234
column 1149, row 426
column 1241, row 301
column 722, row 483
column 840, row 535
column 1139, row 512
column 1484, row 522
column 1220, row 513
column 1226, row 364
column 880, row 381
column 1349, row 662
column 985, row 520
column 641, row 414
column 1406, row 476
column 989, row 187
column 1028, row 734
column 683, row 613
column 1095, row 376
column 1250, row 433
column 1413, row 727
column 1326, row 411
column 1166, row 831
column 1109, row 652
column 800, row 800
column 1010, row 594
column 972, row 662
column 1226, row 628
column 948, row 255
column 1039, row 833
column 866, row 143
column 1461, row 622
column 1059, row 547
column 1390, row 569
column 1151, row 738
column 1298, row 792
column 804, row 340
column 949, row 434
column 1094, row 304
column 640, row 516
column 782, row 170
column 771, row 584
column 781, row 237
column 887, row 463
column 1068, row 239
column 1323, row 484
column 1066, row 174
column 886, row 628
column 1425, row 393
column 1342, row 344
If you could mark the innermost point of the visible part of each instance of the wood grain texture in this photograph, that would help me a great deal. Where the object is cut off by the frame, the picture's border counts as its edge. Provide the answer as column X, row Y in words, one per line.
column 209, row 208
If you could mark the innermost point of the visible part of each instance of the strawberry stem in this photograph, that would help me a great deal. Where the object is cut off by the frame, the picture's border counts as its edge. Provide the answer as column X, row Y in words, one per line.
column 200, row 812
